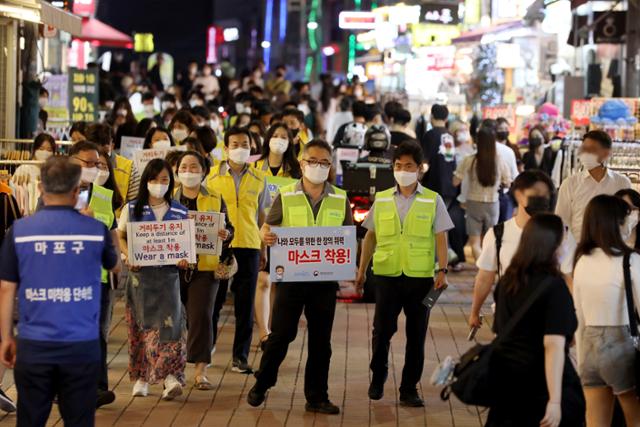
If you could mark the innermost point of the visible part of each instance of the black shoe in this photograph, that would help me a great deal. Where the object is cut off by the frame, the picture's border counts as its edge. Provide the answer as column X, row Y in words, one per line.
column 105, row 397
column 325, row 407
column 411, row 399
column 241, row 367
column 6, row 404
column 376, row 390
column 256, row 396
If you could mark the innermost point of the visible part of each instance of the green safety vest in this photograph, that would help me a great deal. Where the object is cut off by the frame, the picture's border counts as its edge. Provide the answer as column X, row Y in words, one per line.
column 102, row 207
column 297, row 212
column 406, row 248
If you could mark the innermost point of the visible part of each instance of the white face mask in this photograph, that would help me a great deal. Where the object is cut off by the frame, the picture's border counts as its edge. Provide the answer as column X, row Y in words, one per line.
column 157, row 190
column 190, row 179
column 89, row 175
column 278, row 145
column 179, row 135
column 42, row 154
column 463, row 137
column 240, row 108
column 239, row 155
column 102, row 177
column 629, row 225
column 214, row 124
column 122, row 113
column 405, row 179
column 316, row 175
column 162, row 143
column 166, row 105
column 149, row 112
column 195, row 103
column 589, row 161
column 83, row 200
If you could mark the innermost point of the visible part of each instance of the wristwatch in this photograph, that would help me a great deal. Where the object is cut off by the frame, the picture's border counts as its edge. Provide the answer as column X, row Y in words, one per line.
column 442, row 270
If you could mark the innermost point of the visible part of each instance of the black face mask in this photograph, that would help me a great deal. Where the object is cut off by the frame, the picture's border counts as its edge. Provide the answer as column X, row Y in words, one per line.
column 502, row 135
column 537, row 204
column 535, row 143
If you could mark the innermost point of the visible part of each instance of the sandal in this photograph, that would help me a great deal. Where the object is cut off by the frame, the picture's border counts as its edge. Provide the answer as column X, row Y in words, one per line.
column 203, row 384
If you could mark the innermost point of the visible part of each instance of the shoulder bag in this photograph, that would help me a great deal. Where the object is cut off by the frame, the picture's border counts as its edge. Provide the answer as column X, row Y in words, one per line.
column 472, row 383
column 633, row 318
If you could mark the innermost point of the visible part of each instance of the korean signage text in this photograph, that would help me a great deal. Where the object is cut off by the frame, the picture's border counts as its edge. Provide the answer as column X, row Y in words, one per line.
column 153, row 243
column 83, row 95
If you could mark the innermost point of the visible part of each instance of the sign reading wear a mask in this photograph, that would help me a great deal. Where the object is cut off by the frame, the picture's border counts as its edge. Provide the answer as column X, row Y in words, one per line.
column 312, row 254
column 208, row 224
column 142, row 157
column 161, row 243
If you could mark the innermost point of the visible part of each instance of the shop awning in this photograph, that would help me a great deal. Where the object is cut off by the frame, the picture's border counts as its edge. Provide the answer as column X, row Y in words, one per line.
column 477, row 34
column 60, row 19
column 101, row 34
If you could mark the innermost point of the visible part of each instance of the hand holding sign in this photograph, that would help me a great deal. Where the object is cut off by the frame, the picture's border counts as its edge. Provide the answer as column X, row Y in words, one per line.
column 268, row 237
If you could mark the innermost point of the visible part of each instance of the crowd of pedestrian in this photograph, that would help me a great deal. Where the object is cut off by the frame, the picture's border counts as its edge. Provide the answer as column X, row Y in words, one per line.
column 457, row 184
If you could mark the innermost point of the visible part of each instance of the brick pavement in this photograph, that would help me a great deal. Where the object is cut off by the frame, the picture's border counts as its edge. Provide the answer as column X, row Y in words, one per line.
column 349, row 378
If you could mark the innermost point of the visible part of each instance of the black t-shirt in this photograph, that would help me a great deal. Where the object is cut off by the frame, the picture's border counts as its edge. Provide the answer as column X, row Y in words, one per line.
column 439, row 177
column 398, row 137
column 274, row 171
column 518, row 362
column 191, row 204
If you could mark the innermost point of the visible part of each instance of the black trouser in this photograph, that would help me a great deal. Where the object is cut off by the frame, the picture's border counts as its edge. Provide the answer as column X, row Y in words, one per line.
column 318, row 301
column 221, row 298
column 394, row 294
column 106, row 311
column 458, row 234
column 243, row 286
column 199, row 296
column 74, row 384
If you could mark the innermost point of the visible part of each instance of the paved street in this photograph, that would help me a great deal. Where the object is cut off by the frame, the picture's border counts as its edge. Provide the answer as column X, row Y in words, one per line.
column 226, row 406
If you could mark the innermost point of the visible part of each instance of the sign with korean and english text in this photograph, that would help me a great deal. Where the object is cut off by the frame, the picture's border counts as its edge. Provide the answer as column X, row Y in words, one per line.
column 312, row 254
column 153, row 243
column 142, row 157
column 129, row 145
column 207, row 226
column 83, row 95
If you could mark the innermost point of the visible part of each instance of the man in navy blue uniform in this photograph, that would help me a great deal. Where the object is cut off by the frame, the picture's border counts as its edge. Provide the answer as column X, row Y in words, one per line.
column 52, row 261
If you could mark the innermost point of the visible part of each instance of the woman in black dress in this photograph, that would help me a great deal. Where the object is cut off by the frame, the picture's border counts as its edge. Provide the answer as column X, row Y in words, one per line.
column 535, row 381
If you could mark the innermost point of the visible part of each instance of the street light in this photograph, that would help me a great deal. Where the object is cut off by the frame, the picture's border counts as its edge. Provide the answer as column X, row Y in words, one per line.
column 265, row 44
column 312, row 25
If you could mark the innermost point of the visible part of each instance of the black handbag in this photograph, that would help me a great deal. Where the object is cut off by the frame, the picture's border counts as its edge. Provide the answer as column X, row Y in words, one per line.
column 472, row 383
column 633, row 318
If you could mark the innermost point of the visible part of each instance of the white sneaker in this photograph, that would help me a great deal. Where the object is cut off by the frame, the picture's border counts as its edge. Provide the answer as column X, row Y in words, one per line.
column 172, row 388
column 140, row 389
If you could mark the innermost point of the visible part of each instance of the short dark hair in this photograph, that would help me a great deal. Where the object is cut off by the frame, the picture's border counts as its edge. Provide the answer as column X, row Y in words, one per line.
column 204, row 163
column 78, row 127
column 99, row 133
column 294, row 112
column 83, row 146
column 409, row 147
column 528, row 179
column 318, row 143
column 147, row 96
column 439, row 112
column 59, row 175
column 488, row 124
column 600, row 136
column 359, row 109
column 151, row 132
column 391, row 108
column 235, row 130
column 41, row 139
column 502, row 121
column 402, row 116
column 201, row 111
column 207, row 137
column 185, row 117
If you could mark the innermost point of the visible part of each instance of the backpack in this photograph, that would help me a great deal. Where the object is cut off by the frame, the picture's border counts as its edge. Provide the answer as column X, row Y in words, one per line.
column 354, row 134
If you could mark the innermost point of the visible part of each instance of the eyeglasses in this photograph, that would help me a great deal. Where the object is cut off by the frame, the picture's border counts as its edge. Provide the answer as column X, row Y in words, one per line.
column 315, row 163
column 88, row 163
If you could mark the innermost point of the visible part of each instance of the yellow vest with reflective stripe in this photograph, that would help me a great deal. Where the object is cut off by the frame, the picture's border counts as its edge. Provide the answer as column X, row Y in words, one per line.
column 102, row 207
column 407, row 248
column 297, row 211
column 263, row 166
column 242, row 207
column 122, row 175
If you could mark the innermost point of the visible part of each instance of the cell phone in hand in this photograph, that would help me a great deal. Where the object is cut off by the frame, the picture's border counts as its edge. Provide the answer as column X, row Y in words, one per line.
column 474, row 330
column 430, row 300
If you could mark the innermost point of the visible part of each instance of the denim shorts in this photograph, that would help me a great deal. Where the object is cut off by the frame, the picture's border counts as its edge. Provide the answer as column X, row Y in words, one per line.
column 606, row 358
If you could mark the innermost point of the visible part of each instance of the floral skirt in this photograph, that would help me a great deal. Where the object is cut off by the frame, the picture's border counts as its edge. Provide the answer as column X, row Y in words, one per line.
column 151, row 360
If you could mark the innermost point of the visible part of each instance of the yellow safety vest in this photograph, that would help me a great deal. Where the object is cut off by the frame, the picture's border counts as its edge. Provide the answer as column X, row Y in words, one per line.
column 407, row 248
column 122, row 174
column 102, row 207
column 263, row 166
column 304, row 139
column 297, row 211
column 207, row 201
column 243, row 205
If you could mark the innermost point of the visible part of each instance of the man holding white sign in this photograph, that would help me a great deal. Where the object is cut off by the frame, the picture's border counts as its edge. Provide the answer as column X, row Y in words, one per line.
column 407, row 230
column 311, row 202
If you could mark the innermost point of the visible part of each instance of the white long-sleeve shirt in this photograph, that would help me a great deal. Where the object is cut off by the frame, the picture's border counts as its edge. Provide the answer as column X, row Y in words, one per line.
column 598, row 289
column 578, row 190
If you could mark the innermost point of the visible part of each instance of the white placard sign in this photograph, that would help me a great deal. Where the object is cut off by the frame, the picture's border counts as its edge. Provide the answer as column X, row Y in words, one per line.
column 207, row 226
column 129, row 145
column 142, row 157
column 152, row 243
